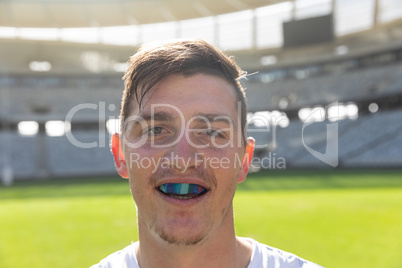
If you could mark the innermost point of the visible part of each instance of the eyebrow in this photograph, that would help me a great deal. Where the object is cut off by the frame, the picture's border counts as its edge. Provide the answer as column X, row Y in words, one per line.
column 198, row 117
column 203, row 117
column 157, row 116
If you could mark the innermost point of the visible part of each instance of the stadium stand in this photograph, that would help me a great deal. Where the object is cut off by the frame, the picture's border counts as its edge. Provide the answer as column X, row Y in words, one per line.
column 366, row 142
column 371, row 82
column 361, row 66
column 93, row 161
column 21, row 153
column 41, row 156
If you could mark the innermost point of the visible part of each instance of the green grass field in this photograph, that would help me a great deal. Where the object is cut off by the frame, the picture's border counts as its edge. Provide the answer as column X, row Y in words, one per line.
column 334, row 218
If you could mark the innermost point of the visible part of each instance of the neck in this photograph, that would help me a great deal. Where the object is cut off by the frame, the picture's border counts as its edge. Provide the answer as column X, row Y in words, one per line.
column 220, row 248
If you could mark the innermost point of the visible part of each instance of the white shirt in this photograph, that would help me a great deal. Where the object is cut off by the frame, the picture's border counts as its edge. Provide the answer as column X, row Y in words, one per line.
column 263, row 256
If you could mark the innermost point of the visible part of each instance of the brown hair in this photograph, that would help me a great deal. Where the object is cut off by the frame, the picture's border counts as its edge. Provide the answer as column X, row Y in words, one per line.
column 152, row 63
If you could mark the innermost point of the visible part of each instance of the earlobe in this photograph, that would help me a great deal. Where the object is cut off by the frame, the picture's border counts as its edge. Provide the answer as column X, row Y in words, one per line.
column 248, row 157
column 118, row 156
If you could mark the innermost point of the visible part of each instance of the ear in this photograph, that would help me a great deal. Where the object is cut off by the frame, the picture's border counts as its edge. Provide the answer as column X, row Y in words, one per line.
column 118, row 156
column 247, row 158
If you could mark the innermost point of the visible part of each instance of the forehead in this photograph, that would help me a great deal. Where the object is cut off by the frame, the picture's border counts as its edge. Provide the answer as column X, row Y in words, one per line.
column 192, row 94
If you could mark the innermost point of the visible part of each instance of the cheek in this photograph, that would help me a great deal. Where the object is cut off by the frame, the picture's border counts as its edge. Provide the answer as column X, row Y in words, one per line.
column 226, row 160
column 142, row 160
column 141, row 189
column 140, row 165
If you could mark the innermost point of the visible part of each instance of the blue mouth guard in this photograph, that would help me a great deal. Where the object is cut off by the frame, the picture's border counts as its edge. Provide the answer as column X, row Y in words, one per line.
column 181, row 188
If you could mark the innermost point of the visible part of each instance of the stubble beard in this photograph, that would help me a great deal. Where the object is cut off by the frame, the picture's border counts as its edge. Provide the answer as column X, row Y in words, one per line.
column 172, row 239
column 193, row 238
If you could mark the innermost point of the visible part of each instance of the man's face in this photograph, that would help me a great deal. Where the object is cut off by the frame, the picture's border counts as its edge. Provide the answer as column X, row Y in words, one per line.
column 183, row 154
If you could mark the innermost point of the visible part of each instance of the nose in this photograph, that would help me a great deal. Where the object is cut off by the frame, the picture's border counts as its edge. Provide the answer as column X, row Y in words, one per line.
column 184, row 154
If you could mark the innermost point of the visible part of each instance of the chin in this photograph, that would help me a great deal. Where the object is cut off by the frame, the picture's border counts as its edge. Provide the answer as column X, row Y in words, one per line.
column 182, row 237
column 182, row 241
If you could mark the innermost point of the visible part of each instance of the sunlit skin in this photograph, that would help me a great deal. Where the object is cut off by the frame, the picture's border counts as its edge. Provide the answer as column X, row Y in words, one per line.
column 195, row 232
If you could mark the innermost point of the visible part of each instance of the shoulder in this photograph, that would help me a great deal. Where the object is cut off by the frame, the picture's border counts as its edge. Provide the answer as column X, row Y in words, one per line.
column 120, row 259
column 264, row 256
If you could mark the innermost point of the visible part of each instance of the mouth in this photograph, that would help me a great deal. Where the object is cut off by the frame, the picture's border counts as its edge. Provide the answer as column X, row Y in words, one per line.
column 182, row 190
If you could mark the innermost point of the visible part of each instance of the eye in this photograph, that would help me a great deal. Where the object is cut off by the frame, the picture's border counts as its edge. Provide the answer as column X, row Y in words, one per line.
column 213, row 133
column 154, row 130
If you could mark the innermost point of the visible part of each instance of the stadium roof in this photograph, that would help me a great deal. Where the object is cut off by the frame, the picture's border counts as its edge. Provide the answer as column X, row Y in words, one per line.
column 103, row 13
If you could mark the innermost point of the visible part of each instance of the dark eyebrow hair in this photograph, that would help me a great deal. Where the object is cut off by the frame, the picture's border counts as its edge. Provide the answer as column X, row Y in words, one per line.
column 157, row 116
column 200, row 117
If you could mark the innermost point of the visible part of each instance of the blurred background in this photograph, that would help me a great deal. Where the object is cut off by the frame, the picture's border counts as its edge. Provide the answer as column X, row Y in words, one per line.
column 324, row 93
column 319, row 61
